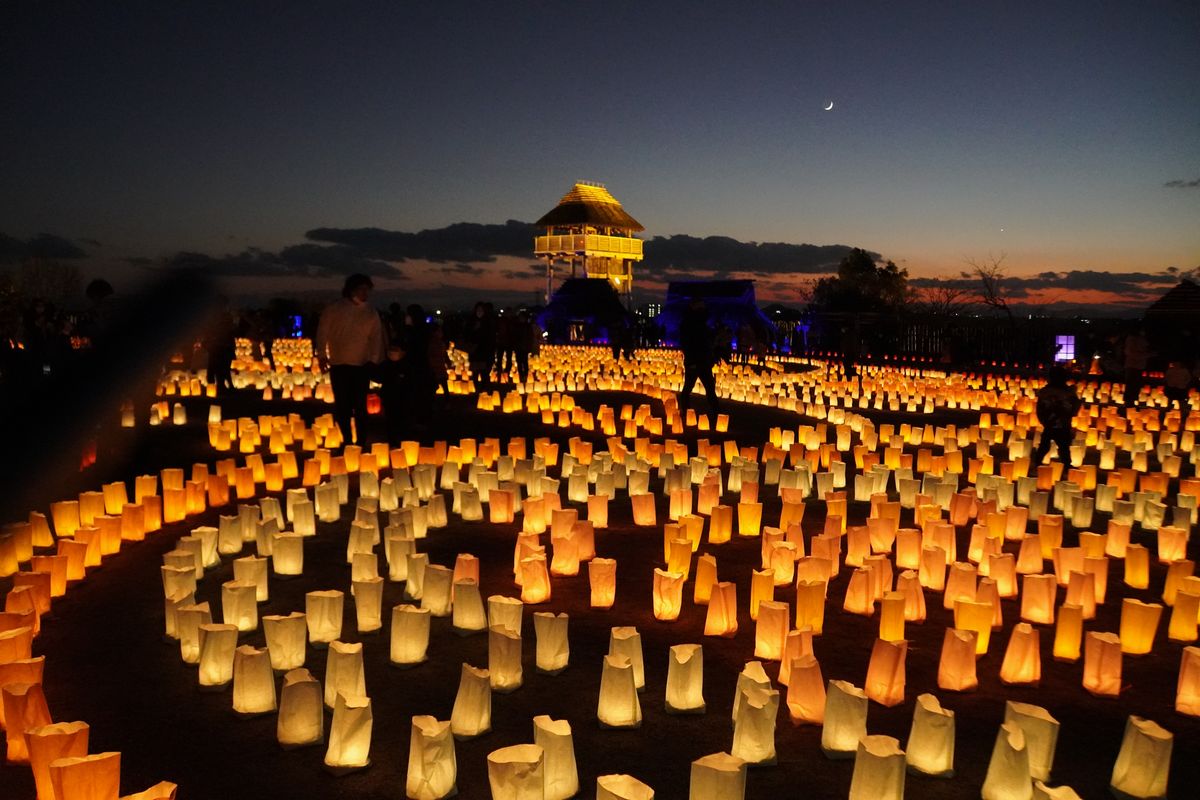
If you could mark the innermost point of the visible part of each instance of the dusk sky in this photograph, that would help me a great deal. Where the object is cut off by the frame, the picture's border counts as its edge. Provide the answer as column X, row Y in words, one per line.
column 1065, row 135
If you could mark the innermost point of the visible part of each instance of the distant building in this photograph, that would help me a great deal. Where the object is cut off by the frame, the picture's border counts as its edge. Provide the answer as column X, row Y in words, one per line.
column 590, row 232
column 584, row 310
column 730, row 304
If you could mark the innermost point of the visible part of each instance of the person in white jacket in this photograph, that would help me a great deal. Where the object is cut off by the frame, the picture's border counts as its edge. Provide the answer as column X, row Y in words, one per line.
column 350, row 343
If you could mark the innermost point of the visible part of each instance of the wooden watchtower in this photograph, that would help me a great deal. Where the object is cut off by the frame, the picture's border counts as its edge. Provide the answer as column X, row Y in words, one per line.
column 589, row 230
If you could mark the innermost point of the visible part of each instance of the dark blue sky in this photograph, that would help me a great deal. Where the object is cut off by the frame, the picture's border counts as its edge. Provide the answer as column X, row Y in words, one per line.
column 158, row 126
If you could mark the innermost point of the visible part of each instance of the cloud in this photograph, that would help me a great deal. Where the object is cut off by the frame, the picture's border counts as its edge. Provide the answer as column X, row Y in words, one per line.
column 461, row 270
column 1181, row 184
column 530, row 271
column 462, row 242
column 44, row 245
column 1132, row 284
column 722, row 255
column 304, row 260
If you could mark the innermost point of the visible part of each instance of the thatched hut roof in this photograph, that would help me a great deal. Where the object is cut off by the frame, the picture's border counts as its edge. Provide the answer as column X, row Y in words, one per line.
column 589, row 204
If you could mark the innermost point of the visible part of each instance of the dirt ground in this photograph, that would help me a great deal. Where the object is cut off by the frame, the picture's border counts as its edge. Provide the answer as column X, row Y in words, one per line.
column 108, row 663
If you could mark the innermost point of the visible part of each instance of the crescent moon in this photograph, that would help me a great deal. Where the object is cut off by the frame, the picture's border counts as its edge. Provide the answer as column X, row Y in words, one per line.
column 830, row 106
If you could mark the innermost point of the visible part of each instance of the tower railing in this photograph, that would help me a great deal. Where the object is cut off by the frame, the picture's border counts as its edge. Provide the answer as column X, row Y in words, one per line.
column 590, row 243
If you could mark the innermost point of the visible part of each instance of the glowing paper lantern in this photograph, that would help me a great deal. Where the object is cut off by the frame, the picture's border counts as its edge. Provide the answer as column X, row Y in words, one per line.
column 845, row 719
column 1022, row 658
column 1102, row 664
column 349, row 734
column 1139, row 623
column 504, row 660
column 286, row 638
column 253, row 569
column 754, row 726
column 344, row 672
column 810, row 605
column 878, row 770
column 217, row 645
column 469, row 615
column 1041, row 735
column 886, row 673
column 668, row 594
column 1068, row 633
column 188, row 620
column 535, row 580
column 720, row 776
column 301, row 712
column 770, row 635
column 287, row 554
column 956, row 669
column 706, row 578
column 553, row 650
column 410, row 635
column 975, row 617
column 253, row 681
column 239, row 604
column 48, row 743
column 1143, row 763
column 685, row 680
column 472, row 713
column 1037, row 599
column 1187, row 689
column 1008, row 771
column 24, row 708
column 517, row 772
column 931, row 740
column 622, row 787
column 505, row 612
column 618, row 706
column 806, row 690
column 323, row 613
column 432, row 767
column 561, row 779
column 94, row 777
column 721, row 619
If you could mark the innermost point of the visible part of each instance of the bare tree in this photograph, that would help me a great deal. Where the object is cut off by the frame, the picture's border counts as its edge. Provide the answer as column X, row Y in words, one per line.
column 945, row 300
column 991, row 290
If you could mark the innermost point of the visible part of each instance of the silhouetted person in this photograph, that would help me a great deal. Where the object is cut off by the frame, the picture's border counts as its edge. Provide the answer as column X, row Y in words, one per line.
column 1137, row 357
column 851, row 353
column 522, row 332
column 1177, row 385
column 418, row 369
column 350, row 341
column 1057, row 404
column 481, row 343
column 221, row 349
column 697, row 342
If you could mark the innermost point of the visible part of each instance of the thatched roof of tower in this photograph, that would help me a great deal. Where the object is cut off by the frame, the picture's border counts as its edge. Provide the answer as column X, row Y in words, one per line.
column 589, row 204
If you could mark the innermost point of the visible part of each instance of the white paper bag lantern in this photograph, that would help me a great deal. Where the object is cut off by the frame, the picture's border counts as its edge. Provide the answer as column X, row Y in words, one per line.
column 1041, row 735
column 349, row 734
column 535, row 580
column 668, row 594
column 618, row 706
column 301, row 711
column 432, row 766
column 1008, row 776
column 414, row 583
column 806, row 691
column 410, row 635
column 930, row 747
column 504, row 660
column 188, row 620
column 626, row 641
column 253, row 569
column 438, row 593
column 622, row 787
column 368, row 604
column 555, row 739
column 344, row 672
column 217, row 643
column 553, row 648
column 286, row 638
column 886, row 673
column 239, row 604
column 287, row 554
column 845, row 719
column 878, row 770
column 517, row 772
column 685, row 679
column 719, row 776
column 1139, row 624
column 1102, row 664
column 505, row 612
column 754, row 726
column 323, row 613
column 253, row 681
column 1144, row 762
column 364, row 566
column 472, row 713
column 468, row 615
